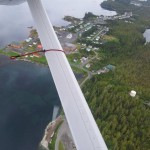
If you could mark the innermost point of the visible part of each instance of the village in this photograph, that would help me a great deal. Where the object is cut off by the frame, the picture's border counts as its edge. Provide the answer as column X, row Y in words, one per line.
column 81, row 40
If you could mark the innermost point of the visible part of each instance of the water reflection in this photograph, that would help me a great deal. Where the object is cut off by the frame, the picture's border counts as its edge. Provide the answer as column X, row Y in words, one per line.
column 27, row 98
column 14, row 20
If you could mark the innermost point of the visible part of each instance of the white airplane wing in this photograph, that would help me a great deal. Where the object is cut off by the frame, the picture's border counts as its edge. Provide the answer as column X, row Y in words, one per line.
column 83, row 127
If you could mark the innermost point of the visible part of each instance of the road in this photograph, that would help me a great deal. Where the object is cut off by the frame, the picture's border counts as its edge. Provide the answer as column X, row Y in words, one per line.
column 87, row 78
column 64, row 135
column 90, row 74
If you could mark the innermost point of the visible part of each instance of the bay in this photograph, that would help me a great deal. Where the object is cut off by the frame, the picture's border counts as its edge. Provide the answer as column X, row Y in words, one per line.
column 27, row 98
column 14, row 20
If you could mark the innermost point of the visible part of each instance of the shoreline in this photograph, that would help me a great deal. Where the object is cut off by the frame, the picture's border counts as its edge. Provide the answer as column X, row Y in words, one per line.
column 26, row 60
column 50, row 131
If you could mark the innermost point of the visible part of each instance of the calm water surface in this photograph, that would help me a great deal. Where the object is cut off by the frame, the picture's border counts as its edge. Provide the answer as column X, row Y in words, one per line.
column 14, row 20
column 27, row 98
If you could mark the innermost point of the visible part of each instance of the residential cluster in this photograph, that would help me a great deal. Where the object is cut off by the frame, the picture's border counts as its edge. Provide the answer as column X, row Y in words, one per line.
column 84, row 36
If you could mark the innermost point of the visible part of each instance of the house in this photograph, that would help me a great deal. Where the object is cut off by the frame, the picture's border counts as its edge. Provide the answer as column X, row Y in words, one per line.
column 28, row 40
column 104, row 70
column 69, row 36
column 83, row 44
column 100, row 71
column 26, row 55
column 36, row 55
column 88, row 66
column 67, row 47
column 39, row 47
column 88, row 37
column 95, row 48
column 31, row 56
column 88, row 49
column 75, row 60
column 110, row 67
column 15, row 45
column 97, row 38
column 83, row 59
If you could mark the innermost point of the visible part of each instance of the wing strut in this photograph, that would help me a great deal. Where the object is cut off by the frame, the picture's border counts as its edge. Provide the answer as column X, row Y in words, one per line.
column 83, row 127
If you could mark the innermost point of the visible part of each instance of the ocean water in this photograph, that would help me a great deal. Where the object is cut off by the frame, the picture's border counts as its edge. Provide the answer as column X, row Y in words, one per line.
column 27, row 98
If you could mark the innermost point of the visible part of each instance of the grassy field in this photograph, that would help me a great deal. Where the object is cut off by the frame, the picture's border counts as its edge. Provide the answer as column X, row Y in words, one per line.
column 41, row 60
column 12, row 53
column 109, row 38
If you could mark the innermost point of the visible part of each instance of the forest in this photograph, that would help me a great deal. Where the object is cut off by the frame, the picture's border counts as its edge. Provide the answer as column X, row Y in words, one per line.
column 123, row 120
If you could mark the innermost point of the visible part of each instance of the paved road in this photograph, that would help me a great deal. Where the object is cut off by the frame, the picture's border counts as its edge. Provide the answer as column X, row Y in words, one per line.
column 90, row 74
column 88, row 77
column 64, row 135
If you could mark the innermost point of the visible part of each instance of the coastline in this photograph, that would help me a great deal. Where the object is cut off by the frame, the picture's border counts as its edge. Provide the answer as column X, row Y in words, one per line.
column 50, row 131
column 26, row 60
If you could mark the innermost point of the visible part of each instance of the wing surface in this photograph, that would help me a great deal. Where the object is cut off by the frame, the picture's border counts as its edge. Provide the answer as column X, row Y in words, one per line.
column 80, row 119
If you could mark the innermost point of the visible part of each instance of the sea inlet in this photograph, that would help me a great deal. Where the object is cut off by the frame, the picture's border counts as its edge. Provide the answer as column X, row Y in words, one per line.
column 27, row 98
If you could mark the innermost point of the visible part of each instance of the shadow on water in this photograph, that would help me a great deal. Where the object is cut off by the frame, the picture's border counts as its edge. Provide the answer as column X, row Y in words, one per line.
column 27, row 98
